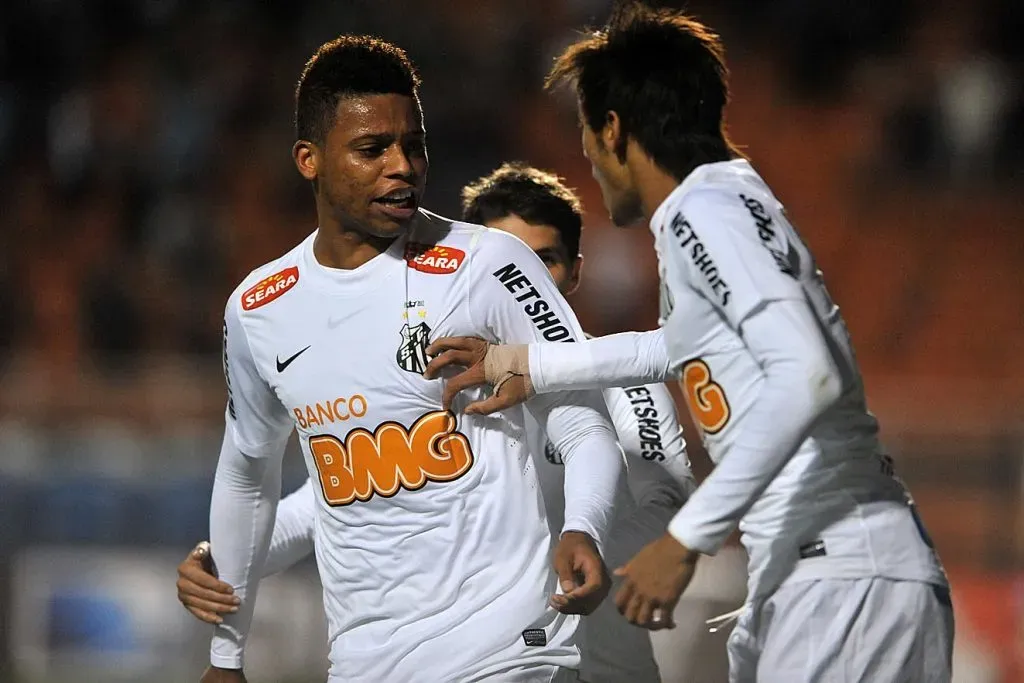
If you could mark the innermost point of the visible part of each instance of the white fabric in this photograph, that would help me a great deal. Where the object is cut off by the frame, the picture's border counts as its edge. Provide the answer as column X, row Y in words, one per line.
column 431, row 537
column 245, row 493
column 658, row 482
column 294, row 529
column 652, row 440
column 868, row 630
column 728, row 255
column 799, row 383
column 618, row 360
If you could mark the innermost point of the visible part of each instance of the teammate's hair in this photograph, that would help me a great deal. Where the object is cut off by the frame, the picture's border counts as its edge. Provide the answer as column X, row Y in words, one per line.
column 536, row 196
column 664, row 74
column 348, row 65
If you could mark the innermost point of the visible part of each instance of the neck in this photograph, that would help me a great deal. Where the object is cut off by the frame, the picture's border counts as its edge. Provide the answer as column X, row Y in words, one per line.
column 654, row 185
column 339, row 246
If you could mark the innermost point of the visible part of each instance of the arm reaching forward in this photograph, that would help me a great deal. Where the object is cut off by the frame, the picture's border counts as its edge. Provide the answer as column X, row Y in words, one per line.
column 520, row 371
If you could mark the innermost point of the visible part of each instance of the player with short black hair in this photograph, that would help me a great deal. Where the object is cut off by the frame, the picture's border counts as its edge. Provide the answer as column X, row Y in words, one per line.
column 843, row 580
column 348, row 65
column 538, row 208
column 431, row 540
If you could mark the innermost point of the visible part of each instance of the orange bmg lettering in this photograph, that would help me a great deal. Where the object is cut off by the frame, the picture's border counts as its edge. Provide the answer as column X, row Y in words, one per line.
column 320, row 413
column 390, row 458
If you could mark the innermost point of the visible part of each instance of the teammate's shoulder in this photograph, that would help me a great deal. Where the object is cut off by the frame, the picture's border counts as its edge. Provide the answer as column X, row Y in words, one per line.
column 269, row 281
column 727, row 194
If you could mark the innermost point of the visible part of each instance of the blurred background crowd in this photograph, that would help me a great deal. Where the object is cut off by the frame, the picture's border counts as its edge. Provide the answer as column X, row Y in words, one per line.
column 145, row 169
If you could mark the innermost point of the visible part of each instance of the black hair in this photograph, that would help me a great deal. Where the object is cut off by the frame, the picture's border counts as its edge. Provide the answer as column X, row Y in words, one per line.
column 348, row 65
column 664, row 74
column 536, row 196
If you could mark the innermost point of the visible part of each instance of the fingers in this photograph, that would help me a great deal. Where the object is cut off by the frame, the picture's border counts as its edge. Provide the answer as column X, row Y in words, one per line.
column 192, row 571
column 191, row 589
column 512, row 392
column 625, row 594
column 456, row 344
column 491, row 405
column 465, row 359
column 205, row 610
column 472, row 377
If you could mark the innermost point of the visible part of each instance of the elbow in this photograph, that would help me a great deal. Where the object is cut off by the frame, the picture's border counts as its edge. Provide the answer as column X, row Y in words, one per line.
column 823, row 382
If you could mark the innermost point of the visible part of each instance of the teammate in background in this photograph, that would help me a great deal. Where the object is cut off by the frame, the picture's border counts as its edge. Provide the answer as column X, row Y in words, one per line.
column 431, row 537
column 843, row 581
column 537, row 208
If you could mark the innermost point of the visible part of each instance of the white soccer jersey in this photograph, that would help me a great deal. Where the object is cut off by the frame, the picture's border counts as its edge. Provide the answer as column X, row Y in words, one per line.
column 431, row 537
column 726, row 253
column 652, row 440
column 726, row 250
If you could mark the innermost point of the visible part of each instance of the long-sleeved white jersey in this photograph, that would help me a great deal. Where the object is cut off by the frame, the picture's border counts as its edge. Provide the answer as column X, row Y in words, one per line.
column 431, row 537
column 659, row 481
column 770, row 377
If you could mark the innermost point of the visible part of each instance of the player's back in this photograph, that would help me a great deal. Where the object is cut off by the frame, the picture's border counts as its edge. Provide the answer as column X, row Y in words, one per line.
column 835, row 509
column 432, row 542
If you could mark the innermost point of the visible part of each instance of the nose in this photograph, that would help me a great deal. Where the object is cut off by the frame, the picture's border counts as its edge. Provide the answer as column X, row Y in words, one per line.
column 398, row 164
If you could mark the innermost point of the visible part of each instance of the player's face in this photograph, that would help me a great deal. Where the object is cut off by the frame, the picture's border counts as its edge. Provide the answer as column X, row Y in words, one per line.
column 621, row 198
column 546, row 242
column 373, row 167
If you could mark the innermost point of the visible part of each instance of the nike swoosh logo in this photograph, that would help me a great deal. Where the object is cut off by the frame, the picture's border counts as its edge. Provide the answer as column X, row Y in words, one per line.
column 332, row 323
column 288, row 361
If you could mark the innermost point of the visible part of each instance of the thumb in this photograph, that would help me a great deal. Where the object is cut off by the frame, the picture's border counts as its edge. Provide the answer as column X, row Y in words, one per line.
column 622, row 571
column 564, row 569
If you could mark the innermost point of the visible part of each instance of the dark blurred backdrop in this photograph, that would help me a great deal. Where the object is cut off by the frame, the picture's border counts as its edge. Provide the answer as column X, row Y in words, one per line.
column 145, row 169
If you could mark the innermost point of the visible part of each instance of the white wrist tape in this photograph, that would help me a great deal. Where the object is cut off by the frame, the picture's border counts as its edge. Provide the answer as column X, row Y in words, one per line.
column 502, row 363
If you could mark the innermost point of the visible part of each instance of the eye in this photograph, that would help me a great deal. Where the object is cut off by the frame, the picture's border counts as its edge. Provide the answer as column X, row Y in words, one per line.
column 371, row 151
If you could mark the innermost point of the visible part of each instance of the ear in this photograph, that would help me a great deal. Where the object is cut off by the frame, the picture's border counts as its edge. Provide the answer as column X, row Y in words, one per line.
column 611, row 134
column 574, row 279
column 307, row 159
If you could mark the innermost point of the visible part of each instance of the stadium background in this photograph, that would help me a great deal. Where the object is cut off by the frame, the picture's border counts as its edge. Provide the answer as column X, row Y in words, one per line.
column 144, row 158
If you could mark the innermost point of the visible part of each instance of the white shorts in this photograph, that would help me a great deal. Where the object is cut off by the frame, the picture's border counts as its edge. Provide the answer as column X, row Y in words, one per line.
column 870, row 630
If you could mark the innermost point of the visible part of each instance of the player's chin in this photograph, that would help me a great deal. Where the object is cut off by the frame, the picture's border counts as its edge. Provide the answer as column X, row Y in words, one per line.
column 391, row 221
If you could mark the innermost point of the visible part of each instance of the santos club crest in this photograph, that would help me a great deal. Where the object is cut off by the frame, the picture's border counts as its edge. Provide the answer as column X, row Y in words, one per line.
column 412, row 354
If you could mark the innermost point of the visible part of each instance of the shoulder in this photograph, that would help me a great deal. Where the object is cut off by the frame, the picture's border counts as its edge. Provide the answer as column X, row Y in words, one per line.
column 268, row 282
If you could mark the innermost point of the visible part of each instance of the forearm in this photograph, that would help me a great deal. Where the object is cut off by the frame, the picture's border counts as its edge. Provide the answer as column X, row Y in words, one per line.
column 617, row 360
column 800, row 383
column 578, row 427
column 242, row 510
column 292, row 539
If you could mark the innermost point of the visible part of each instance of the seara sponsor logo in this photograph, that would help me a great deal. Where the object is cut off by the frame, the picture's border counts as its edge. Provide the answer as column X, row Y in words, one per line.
column 434, row 259
column 269, row 288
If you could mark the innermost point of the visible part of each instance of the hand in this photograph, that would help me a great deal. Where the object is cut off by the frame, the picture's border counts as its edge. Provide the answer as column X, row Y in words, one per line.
column 472, row 354
column 581, row 573
column 653, row 581
column 214, row 674
column 199, row 590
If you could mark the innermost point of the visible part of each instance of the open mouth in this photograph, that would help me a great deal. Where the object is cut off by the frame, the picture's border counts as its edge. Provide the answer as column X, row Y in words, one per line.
column 398, row 204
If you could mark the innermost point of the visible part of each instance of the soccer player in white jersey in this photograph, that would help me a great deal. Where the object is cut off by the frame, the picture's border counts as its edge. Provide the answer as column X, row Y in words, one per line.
column 843, row 582
column 536, row 207
column 431, row 537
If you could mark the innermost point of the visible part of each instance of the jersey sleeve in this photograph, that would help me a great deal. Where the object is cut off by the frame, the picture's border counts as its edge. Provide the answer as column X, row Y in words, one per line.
column 513, row 299
column 727, row 247
column 292, row 539
column 256, row 419
column 616, row 360
column 649, row 432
